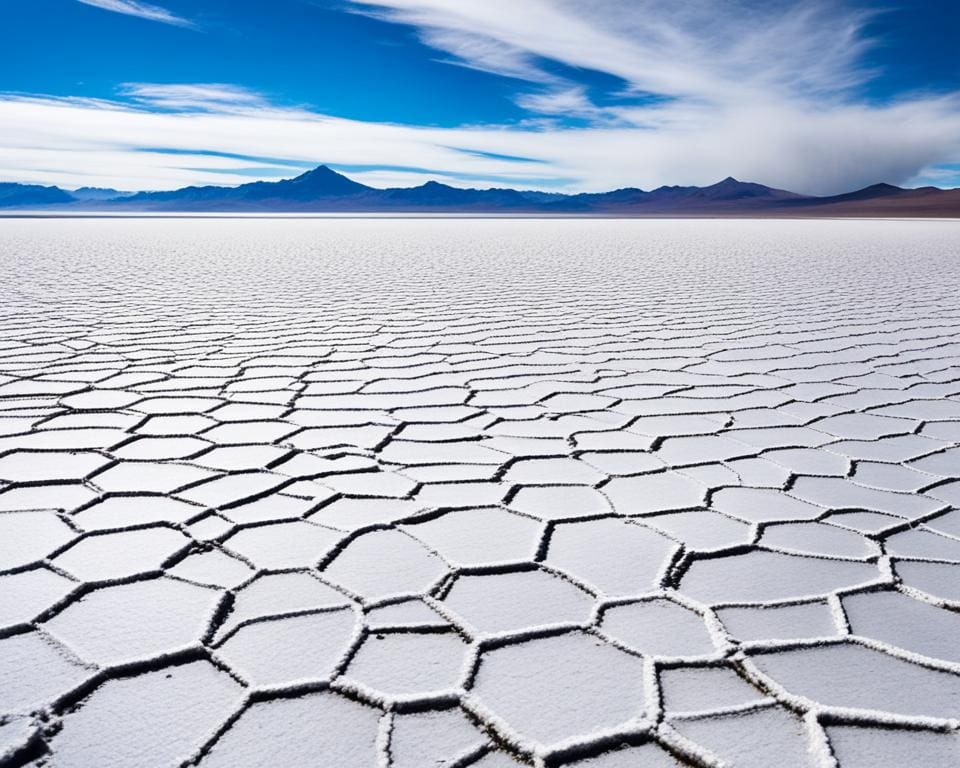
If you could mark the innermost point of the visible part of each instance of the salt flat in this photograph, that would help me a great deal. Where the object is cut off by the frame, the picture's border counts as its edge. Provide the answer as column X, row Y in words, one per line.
column 419, row 493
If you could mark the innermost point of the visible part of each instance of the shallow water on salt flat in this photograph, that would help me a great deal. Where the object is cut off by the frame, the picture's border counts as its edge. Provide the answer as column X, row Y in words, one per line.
column 479, row 492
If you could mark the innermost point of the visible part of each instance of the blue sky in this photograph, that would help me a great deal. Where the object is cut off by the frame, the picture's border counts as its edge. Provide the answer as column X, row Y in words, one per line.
column 812, row 95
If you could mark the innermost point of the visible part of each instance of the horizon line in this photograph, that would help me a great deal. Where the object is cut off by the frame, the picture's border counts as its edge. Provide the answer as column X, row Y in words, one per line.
column 332, row 168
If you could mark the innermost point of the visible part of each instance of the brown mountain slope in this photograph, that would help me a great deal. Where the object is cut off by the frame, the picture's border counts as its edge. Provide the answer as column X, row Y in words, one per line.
column 923, row 202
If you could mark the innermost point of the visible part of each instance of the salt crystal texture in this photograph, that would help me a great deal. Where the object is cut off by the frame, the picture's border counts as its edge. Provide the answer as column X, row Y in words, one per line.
column 415, row 492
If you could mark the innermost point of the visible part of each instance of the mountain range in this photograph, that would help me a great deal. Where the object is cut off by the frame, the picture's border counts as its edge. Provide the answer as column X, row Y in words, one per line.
column 324, row 190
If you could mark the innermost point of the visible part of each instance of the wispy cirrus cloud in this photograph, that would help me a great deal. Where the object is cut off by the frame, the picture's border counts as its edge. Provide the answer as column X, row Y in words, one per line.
column 701, row 49
column 205, row 97
column 140, row 10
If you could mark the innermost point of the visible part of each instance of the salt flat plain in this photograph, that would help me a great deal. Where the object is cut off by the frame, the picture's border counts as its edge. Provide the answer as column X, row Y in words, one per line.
column 417, row 493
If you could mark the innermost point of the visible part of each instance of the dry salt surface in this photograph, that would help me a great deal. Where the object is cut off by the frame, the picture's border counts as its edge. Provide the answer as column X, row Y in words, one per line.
column 421, row 493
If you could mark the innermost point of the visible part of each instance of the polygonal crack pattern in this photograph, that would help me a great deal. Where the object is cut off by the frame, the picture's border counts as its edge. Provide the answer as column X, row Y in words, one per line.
column 491, row 493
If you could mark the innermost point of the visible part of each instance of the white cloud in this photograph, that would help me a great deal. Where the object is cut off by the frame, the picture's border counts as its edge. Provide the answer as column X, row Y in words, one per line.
column 205, row 97
column 141, row 10
column 743, row 89
column 698, row 48
column 566, row 102
column 77, row 142
column 937, row 176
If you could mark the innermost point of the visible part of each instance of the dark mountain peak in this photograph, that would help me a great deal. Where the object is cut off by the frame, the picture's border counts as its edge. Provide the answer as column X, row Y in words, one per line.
column 732, row 183
column 325, row 181
column 867, row 193
column 882, row 189
column 317, row 174
column 734, row 189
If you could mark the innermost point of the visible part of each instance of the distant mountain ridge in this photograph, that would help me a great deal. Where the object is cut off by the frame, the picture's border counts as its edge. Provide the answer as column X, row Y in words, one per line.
column 19, row 195
column 98, row 193
column 324, row 190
